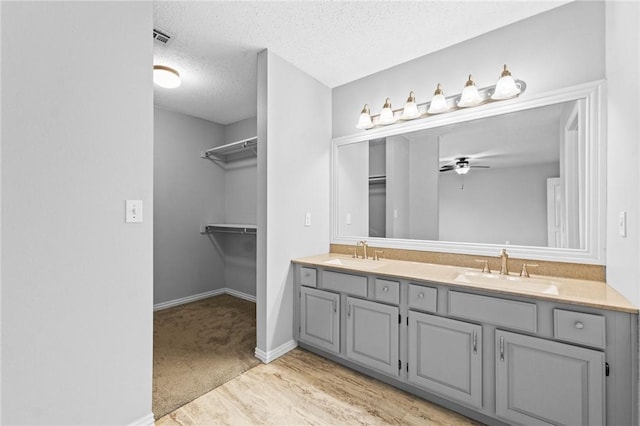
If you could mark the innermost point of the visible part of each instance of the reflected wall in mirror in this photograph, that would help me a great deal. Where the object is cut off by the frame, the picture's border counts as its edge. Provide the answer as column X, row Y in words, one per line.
column 525, row 177
column 509, row 179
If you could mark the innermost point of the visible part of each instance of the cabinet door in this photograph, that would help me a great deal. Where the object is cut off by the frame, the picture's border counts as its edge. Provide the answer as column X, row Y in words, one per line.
column 445, row 356
column 320, row 318
column 541, row 382
column 372, row 335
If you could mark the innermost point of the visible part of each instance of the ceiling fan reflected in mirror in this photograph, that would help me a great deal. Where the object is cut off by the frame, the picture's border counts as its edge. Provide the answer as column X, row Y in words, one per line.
column 461, row 166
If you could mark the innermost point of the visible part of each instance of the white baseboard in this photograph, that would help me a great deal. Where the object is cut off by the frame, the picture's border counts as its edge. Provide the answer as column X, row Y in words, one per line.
column 267, row 357
column 199, row 296
column 147, row 420
column 238, row 294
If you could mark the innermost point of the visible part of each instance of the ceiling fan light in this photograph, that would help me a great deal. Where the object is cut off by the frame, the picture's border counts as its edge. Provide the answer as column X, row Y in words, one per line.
column 470, row 96
column 166, row 77
column 505, row 87
column 365, row 119
column 410, row 110
column 438, row 102
column 462, row 168
column 386, row 115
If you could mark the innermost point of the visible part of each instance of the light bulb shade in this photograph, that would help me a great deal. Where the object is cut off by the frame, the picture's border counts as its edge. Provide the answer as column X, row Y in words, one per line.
column 365, row 119
column 410, row 110
column 166, row 77
column 505, row 87
column 470, row 96
column 386, row 115
column 438, row 102
column 462, row 168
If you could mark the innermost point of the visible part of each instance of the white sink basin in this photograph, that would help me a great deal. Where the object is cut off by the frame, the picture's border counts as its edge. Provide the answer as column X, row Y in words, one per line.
column 508, row 281
column 355, row 263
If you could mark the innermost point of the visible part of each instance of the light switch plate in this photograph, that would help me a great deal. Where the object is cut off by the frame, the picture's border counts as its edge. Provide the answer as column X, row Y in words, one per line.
column 622, row 224
column 133, row 211
column 307, row 219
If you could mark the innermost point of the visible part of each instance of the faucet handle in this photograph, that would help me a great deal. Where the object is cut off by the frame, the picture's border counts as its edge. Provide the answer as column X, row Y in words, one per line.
column 485, row 266
column 524, row 272
column 377, row 254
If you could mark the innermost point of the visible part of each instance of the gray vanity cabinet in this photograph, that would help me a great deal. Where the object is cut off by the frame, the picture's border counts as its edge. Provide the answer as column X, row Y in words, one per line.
column 503, row 359
column 373, row 335
column 320, row 318
column 542, row 382
column 445, row 356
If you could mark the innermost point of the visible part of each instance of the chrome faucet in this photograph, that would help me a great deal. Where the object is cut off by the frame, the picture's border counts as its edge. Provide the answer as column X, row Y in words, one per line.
column 504, row 264
column 363, row 243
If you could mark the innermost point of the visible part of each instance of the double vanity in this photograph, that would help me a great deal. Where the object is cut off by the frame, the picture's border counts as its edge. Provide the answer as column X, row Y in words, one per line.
column 502, row 349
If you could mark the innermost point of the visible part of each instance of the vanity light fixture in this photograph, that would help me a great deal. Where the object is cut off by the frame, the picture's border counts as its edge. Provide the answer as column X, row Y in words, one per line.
column 438, row 102
column 386, row 115
column 505, row 87
column 470, row 96
column 365, row 118
column 166, row 77
column 410, row 110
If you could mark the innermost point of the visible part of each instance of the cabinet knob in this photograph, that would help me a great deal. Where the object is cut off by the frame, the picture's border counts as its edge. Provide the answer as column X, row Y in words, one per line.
column 579, row 325
column 420, row 295
column 306, row 274
column 385, row 289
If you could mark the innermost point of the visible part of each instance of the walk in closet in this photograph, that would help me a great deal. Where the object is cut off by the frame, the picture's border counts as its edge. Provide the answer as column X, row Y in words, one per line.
column 238, row 227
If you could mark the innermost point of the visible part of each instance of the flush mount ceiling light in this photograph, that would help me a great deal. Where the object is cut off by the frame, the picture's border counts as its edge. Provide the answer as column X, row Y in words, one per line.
column 386, row 115
column 410, row 110
column 470, row 96
column 365, row 118
column 166, row 77
column 506, row 88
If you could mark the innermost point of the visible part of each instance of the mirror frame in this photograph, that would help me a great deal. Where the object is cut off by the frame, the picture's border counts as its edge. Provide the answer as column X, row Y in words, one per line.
column 595, row 176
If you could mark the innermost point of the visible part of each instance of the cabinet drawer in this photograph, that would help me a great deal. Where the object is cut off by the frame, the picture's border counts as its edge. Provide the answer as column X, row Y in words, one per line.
column 578, row 327
column 308, row 277
column 345, row 283
column 387, row 291
column 423, row 298
column 492, row 310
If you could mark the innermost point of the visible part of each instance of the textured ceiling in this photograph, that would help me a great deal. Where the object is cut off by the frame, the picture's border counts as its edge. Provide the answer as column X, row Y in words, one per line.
column 215, row 42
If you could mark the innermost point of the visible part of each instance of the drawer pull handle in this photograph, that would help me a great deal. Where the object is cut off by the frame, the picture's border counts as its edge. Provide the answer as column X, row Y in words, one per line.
column 475, row 342
column 501, row 348
column 307, row 274
column 579, row 325
column 385, row 289
column 420, row 295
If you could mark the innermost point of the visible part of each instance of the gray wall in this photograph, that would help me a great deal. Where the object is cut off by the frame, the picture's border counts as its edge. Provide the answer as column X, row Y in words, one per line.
column 555, row 49
column 188, row 192
column 241, row 203
column 623, row 152
column 293, row 178
column 77, row 141
column 496, row 205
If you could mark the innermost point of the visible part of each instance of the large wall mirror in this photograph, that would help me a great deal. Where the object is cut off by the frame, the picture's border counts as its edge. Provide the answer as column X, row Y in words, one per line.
column 527, row 175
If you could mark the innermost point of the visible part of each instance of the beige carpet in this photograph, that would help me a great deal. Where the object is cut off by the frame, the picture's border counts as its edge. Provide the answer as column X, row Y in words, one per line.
column 199, row 346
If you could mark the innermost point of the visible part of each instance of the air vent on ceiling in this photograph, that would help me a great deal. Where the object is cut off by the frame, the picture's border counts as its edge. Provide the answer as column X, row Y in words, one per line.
column 161, row 37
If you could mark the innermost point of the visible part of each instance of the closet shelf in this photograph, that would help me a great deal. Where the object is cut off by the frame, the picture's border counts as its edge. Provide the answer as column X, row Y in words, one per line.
column 223, row 152
column 377, row 179
column 229, row 228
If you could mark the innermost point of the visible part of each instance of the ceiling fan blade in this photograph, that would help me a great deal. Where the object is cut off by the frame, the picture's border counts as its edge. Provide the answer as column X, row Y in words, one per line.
column 480, row 167
column 446, row 168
